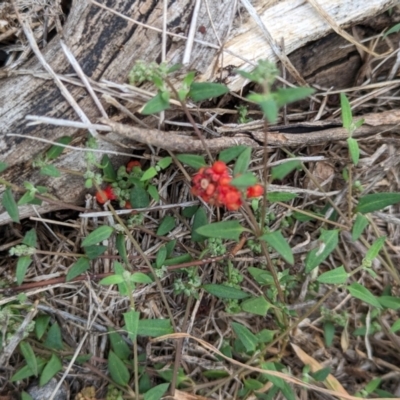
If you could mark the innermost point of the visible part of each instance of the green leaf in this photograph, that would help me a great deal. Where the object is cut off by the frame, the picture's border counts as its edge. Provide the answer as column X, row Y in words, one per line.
column 390, row 302
column 285, row 96
column 26, row 396
column 94, row 251
column 265, row 336
column 148, row 174
column 248, row 339
column 30, row 238
column 225, row 292
column 25, row 372
column 280, row 171
column 393, row 29
column 3, row 166
column 360, row 224
column 231, row 153
column 112, row 280
column 376, row 202
column 109, row 173
column 354, row 150
column 54, row 338
column 170, row 247
column 50, row 370
column 30, row 357
column 267, row 104
column 78, row 268
column 157, row 104
column 395, row 327
column 362, row 293
column 261, row 276
column 55, row 150
column 156, row 392
column 193, row 160
column 256, row 305
column 274, row 197
column 22, row 266
column 118, row 371
column 41, row 324
column 161, row 256
column 321, row 374
column 10, row 205
column 375, row 248
column 188, row 212
column 164, row 162
column 154, row 327
column 206, row 90
column 244, row 181
column 242, row 162
column 50, row 170
column 98, row 235
column 280, row 245
column 120, row 244
column 200, row 219
column 329, row 333
column 166, row 225
column 336, row 276
column 131, row 319
column 253, row 384
column 140, row 277
column 223, row 230
column 139, row 197
column 347, row 117
column 329, row 240
column 122, row 286
column 26, row 198
column 153, row 192
column 118, row 345
column 372, row 385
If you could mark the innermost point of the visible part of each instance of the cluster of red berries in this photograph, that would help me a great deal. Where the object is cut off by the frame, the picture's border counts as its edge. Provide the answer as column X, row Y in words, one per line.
column 107, row 193
column 213, row 185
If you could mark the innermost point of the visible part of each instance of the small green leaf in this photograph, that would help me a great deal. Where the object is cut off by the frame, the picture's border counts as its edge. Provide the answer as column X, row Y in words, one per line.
column 118, row 345
column 274, row 197
column 329, row 240
column 161, row 256
column 55, row 150
column 395, row 327
column 347, row 117
column 261, row 276
column 372, row 385
column 50, row 170
column 321, row 374
column 223, row 230
column 25, row 372
column 98, row 235
column 131, row 319
column 244, row 181
column 200, row 219
column 153, row 192
column 376, row 202
column 139, row 197
column 22, row 266
column 225, row 292
column 156, row 392
column 256, row 305
column 41, row 324
column 78, row 268
column 361, row 292
column 280, row 171
column 360, row 224
column 94, row 251
column 253, row 384
column 188, row 212
column 50, row 370
column 3, row 166
column 154, row 327
column 120, row 244
column 242, row 162
column 231, row 153
column 122, row 286
column 329, row 333
column 118, row 371
column 193, row 160
column 206, row 90
column 267, row 104
column 148, row 174
column 390, row 302
column 354, row 150
column 30, row 238
column 140, row 277
column 280, row 245
column 164, row 162
column 393, row 29
column 29, row 356
column 285, row 96
column 375, row 248
column 26, row 396
column 248, row 339
column 170, row 247
column 336, row 276
column 157, row 104
column 112, row 280
column 166, row 225
column 54, row 338
column 26, row 198
column 10, row 205
column 109, row 173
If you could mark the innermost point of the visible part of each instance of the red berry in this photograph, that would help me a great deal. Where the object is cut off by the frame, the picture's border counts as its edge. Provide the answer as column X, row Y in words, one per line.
column 255, row 191
column 110, row 193
column 131, row 165
column 101, row 197
column 210, row 189
column 219, row 167
column 128, row 205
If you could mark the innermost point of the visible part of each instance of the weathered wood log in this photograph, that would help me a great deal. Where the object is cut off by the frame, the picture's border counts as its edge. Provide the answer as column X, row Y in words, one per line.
column 106, row 46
